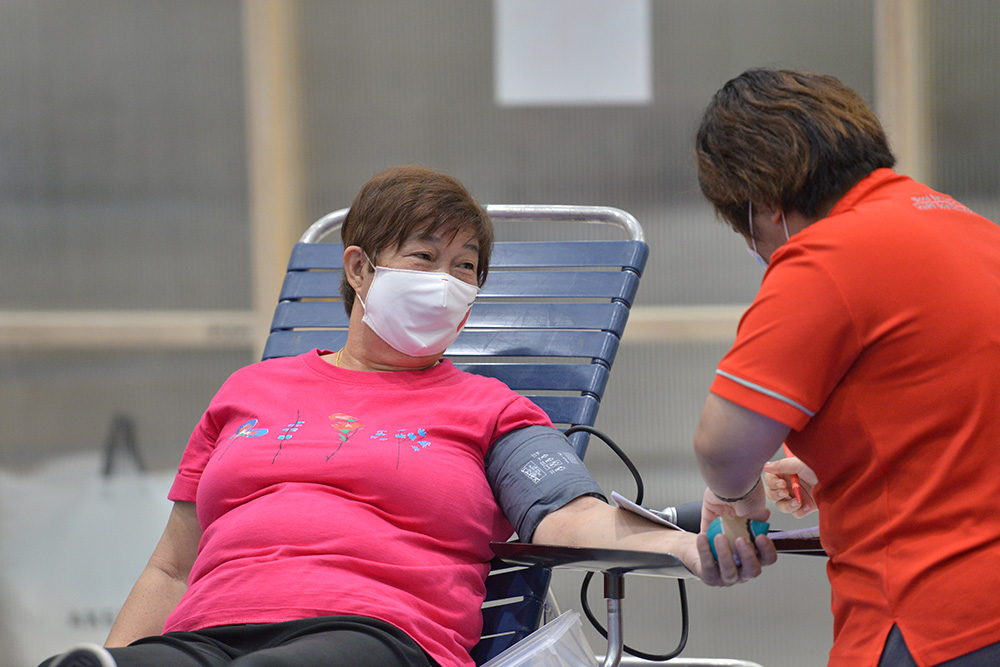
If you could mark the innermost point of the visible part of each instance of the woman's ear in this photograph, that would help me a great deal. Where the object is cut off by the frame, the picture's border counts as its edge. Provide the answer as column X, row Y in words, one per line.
column 771, row 213
column 355, row 266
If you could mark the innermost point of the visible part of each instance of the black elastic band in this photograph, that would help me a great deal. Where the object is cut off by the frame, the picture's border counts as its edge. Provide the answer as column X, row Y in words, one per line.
column 735, row 500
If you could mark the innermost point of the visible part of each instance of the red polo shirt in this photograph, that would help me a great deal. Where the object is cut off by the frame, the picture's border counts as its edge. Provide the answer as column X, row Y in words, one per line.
column 876, row 337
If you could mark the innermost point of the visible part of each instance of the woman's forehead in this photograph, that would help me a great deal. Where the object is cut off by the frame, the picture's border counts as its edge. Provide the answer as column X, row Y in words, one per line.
column 444, row 234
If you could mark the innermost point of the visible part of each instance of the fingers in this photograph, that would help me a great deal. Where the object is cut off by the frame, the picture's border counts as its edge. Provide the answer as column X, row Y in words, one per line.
column 707, row 570
column 752, row 507
column 752, row 510
column 791, row 465
column 767, row 553
column 774, row 485
column 777, row 490
column 734, row 567
column 786, row 466
column 795, row 508
column 804, row 510
column 712, row 573
column 712, row 508
column 787, row 504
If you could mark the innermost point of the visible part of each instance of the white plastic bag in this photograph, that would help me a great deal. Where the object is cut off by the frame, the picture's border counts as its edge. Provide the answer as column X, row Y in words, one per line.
column 560, row 643
column 74, row 536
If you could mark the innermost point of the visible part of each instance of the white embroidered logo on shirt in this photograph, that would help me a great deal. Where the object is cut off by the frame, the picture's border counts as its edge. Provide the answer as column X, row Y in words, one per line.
column 928, row 202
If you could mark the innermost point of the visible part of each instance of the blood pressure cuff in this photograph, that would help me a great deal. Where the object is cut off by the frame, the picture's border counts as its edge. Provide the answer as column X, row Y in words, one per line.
column 534, row 471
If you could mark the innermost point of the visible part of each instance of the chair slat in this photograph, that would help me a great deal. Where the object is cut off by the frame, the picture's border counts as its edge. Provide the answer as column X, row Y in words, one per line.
column 518, row 621
column 588, row 378
column 307, row 256
column 627, row 254
column 291, row 343
column 520, row 343
column 607, row 316
column 513, row 582
column 310, row 315
column 475, row 343
column 511, row 618
column 563, row 410
column 619, row 285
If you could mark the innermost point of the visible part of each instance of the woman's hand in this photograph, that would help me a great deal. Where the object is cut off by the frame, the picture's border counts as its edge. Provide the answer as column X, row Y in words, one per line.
column 753, row 557
column 777, row 486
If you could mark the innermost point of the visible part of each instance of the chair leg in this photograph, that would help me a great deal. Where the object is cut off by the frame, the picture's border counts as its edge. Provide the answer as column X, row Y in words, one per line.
column 614, row 591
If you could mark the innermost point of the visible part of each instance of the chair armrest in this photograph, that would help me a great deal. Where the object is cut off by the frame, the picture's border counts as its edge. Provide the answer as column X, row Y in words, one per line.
column 612, row 561
column 799, row 546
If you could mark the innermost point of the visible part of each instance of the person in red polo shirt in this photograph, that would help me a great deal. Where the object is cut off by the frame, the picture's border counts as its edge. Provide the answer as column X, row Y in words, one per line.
column 873, row 351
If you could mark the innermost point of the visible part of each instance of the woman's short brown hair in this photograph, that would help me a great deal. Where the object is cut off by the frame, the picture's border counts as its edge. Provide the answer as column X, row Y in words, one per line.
column 794, row 139
column 401, row 201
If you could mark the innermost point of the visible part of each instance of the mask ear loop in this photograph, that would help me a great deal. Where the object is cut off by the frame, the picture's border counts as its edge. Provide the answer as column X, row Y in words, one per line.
column 784, row 225
column 753, row 240
column 357, row 295
column 753, row 252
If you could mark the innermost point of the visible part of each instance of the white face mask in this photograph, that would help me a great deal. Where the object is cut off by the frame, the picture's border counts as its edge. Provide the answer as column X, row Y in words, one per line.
column 753, row 251
column 418, row 313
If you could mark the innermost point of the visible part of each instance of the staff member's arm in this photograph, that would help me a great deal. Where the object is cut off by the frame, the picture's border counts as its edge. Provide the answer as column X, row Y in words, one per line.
column 732, row 444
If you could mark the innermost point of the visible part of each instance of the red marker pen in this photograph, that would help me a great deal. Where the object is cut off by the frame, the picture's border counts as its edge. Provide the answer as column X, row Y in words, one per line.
column 796, row 484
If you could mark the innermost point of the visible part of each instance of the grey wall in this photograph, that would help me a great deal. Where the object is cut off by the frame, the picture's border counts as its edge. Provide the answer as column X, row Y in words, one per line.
column 123, row 185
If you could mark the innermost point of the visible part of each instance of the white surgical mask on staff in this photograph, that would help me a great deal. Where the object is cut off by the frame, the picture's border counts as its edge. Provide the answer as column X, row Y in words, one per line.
column 753, row 251
column 418, row 313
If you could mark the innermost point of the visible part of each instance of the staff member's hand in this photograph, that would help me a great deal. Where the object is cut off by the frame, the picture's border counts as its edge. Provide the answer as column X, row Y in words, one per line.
column 754, row 506
column 777, row 486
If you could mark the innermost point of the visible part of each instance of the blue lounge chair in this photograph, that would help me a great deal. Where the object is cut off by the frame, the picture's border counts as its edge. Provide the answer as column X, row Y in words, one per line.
column 548, row 323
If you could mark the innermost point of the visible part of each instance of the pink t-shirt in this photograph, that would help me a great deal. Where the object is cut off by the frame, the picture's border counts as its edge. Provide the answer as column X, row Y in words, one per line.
column 325, row 491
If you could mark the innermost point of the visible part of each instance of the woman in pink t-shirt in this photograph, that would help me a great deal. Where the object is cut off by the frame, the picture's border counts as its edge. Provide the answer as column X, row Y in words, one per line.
column 336, row 508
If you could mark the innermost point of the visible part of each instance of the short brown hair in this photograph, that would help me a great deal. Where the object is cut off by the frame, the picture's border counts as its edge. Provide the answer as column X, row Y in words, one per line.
column 784, row 137
column 401, row 201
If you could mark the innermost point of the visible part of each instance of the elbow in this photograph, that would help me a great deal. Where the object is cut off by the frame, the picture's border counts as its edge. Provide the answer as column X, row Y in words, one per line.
column 168, row 570
column 570, row 524
column 707, row 449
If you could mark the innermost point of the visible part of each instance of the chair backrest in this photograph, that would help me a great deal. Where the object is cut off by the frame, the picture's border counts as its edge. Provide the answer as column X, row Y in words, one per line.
column 547, row 323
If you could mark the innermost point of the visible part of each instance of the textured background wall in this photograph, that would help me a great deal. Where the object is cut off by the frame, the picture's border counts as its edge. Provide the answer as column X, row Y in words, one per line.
column 123, row 185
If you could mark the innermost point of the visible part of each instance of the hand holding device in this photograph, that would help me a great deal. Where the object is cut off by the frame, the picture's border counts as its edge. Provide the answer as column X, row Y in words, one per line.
column 734, row 527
